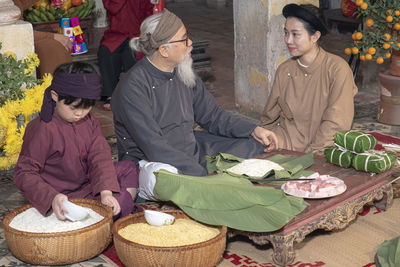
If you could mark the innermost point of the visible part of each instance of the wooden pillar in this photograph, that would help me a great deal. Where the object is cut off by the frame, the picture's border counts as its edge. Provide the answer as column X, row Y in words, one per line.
column 259, row 49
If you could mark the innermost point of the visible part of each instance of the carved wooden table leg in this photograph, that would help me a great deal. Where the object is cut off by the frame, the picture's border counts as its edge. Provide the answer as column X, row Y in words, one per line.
column 387, row 199
column 283, row 254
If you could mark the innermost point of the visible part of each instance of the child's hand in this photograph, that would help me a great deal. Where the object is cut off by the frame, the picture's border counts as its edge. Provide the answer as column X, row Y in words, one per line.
column 108, row 199
column 58, row 207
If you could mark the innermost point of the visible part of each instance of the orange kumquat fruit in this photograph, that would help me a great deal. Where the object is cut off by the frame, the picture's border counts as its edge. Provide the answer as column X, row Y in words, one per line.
column 386, row 46
column 379, row 60
column 354, row 50
column 369, row 22
column 364, row 6
column 359, row 2
column 371, row 50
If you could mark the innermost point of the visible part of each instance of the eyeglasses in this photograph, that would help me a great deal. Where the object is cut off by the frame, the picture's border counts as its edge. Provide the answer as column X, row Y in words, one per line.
column 186, row 40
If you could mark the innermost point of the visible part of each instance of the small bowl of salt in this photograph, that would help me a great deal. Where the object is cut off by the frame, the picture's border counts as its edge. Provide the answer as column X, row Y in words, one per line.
column 75, row 212
column 157, row 218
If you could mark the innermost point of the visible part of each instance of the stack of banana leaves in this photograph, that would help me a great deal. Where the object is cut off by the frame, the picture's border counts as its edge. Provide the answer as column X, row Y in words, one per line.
column 234, row 201
column 44, row 11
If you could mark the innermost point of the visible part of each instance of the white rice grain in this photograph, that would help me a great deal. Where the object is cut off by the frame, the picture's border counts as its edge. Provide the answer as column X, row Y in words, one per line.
column 32, row 221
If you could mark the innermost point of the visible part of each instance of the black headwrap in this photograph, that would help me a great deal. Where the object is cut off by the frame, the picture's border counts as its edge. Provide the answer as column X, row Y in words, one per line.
column 80, row 85
column 293, row 10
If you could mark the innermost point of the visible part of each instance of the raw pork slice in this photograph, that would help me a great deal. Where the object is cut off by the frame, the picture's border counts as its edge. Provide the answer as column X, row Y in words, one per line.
column 319, row 186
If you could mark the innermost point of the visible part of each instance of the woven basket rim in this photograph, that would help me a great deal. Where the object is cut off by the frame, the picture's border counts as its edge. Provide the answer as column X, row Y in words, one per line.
column 107, row 214
column 222, row 233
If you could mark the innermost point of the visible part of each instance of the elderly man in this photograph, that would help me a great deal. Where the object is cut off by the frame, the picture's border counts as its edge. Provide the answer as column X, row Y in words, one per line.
column 157, row 102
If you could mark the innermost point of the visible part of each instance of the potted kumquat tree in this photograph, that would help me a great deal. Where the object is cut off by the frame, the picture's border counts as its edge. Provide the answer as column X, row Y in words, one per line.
column 378, row 39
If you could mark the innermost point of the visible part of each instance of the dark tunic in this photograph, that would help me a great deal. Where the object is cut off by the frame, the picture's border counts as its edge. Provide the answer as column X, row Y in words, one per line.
column 154, row 114
column 72, row 159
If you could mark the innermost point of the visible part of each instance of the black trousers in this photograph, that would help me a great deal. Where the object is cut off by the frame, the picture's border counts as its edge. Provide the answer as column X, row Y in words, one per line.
column 113, row 64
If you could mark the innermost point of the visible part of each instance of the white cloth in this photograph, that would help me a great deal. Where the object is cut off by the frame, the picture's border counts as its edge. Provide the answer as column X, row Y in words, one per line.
column 147, row 179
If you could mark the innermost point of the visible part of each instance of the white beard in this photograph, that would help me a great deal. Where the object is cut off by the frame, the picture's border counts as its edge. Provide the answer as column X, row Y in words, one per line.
column 186, row 73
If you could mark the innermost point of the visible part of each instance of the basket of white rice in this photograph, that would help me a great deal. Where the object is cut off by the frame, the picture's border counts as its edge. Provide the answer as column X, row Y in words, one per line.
column 181, row 244
column 40, row 240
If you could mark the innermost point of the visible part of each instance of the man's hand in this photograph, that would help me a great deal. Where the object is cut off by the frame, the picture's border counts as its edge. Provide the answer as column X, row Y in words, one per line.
column 58, row 207
column 265, row 137
column 108, row 199
column 64, row 40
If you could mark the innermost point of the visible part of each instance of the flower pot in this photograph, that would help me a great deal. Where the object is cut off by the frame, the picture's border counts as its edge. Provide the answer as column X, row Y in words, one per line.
column 395, row 63
column 389, row 108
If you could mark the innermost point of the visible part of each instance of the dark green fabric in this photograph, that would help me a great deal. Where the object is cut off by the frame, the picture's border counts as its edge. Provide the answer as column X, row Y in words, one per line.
column 293, row 166
column 355, row 141
column 374, row 161
column 226, row 200
column 338, row 157
column 388, row 253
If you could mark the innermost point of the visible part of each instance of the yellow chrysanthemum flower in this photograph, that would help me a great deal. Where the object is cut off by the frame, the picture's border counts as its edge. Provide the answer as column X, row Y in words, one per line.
column 27, row 106
column 34, row 59
column 10, row 54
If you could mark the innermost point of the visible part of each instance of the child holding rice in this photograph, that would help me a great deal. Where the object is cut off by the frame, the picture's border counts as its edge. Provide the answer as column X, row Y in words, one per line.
column 64, row 154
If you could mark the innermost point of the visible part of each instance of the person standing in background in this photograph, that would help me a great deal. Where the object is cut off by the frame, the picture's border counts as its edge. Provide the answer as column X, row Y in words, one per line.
column 114, row 54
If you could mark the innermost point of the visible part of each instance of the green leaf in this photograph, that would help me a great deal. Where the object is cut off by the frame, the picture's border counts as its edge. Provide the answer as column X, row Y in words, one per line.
column 225, row 200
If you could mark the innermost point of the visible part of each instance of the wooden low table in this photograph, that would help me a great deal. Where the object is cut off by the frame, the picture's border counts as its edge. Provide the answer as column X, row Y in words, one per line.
column 330, row 213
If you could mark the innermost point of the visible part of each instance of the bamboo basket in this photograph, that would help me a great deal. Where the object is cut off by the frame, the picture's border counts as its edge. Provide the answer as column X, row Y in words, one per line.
column 64, row 247
column 204, row 254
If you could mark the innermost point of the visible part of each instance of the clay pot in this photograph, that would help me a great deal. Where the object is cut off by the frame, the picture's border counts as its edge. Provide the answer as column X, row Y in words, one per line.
column 389, row 108
column 395, row 63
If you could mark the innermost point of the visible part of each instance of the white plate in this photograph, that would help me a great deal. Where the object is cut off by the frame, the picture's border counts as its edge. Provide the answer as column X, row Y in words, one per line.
column 320, row 195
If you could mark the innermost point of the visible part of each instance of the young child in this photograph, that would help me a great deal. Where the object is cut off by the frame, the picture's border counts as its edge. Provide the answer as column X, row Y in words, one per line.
column 64, row 154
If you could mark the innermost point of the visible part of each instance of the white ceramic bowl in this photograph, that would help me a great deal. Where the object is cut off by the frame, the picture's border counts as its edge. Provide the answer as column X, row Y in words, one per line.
column 75, row 212
column 157, row 218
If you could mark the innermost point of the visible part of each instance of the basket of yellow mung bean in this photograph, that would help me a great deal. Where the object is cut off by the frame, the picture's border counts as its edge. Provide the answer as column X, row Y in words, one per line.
column 181, row 244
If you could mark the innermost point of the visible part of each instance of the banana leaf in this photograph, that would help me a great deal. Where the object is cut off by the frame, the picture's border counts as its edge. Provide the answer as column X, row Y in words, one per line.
column 226, row 200
column 388, row 254
column 374, row 161
column 257, row 218
column 292, row 165
column 338, row 157
column 355, row 141
column 221, row 162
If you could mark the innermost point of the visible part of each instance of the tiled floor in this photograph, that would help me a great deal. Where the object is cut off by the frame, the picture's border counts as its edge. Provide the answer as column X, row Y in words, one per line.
column 216, row 26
